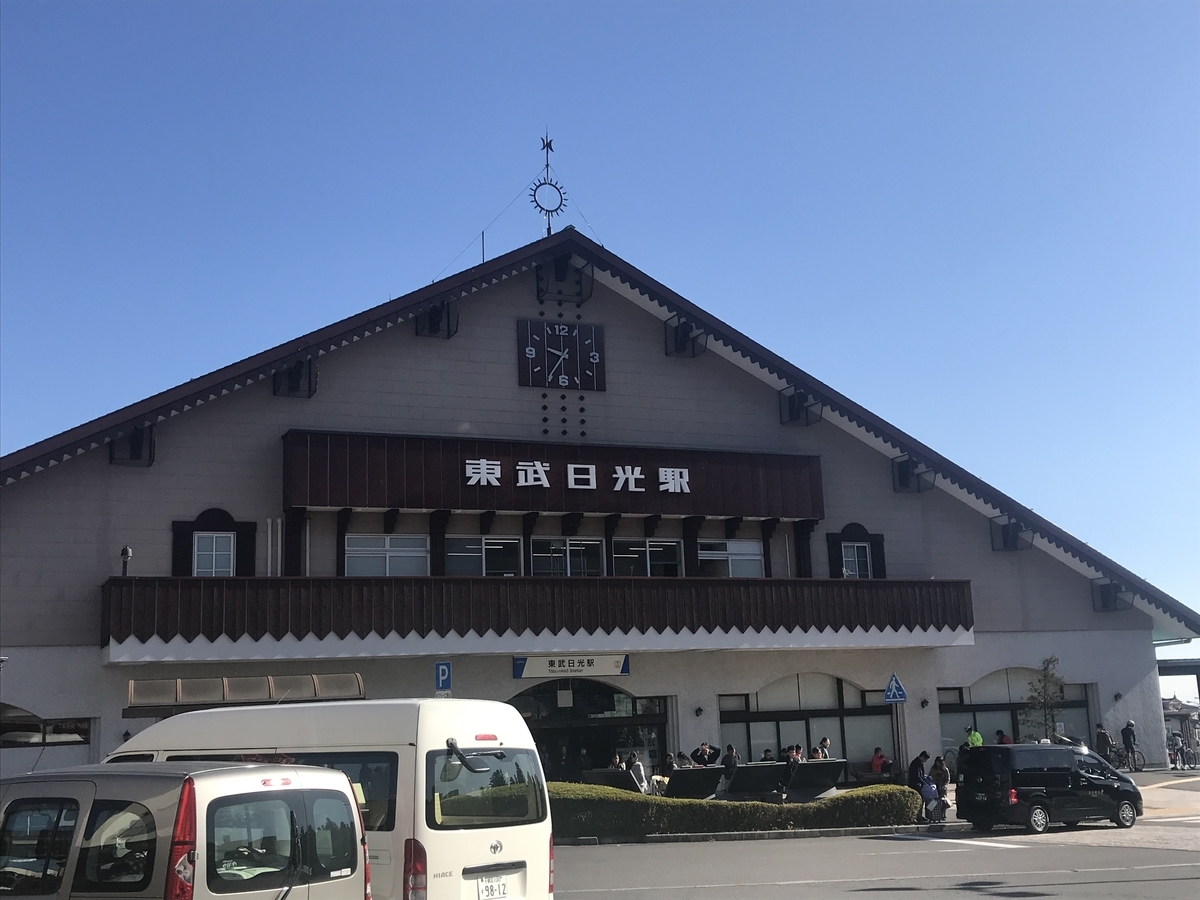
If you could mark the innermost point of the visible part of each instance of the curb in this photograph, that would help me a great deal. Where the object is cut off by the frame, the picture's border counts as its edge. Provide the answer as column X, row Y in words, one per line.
column 799, row 834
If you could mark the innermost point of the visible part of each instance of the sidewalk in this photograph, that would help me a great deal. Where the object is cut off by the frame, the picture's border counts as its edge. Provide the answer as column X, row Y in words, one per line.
column 1169, row 793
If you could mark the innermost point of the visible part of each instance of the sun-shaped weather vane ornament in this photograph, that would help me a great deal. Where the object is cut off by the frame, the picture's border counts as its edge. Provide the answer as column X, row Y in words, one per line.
column 547, row 194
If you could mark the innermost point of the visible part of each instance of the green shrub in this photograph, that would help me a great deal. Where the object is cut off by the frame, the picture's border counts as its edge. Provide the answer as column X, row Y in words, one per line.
column 593, row 810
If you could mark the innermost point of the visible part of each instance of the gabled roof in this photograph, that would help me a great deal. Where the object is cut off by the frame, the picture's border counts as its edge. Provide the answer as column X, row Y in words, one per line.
column 652, row 296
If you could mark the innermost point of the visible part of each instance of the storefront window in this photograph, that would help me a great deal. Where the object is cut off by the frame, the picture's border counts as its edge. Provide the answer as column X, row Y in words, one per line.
column 730, row 559
column 483, row 556
column 570, row 557
column 645, row 557
column 800, row 709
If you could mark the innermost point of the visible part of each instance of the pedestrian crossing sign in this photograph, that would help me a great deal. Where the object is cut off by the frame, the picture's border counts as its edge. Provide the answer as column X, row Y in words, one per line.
column 894, row 692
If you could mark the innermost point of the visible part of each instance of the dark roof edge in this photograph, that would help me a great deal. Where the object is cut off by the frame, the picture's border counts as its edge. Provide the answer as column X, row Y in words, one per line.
column 247, row 371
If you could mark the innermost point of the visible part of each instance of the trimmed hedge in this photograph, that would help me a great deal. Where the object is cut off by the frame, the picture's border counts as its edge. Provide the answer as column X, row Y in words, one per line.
column 588, row 810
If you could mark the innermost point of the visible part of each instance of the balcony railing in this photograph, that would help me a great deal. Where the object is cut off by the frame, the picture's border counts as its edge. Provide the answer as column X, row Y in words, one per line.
column 268, row 609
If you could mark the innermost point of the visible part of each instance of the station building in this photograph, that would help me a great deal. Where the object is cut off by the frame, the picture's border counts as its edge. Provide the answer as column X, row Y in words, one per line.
column 548, row 480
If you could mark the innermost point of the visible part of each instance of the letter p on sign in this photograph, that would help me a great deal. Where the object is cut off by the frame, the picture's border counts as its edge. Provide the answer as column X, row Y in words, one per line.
column 441, row 676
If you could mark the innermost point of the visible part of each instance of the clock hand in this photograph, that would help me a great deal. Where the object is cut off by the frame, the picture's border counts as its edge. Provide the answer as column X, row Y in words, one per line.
column 561, row 359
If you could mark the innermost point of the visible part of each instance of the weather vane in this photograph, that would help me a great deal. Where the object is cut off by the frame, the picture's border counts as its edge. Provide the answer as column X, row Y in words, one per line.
column 547, row 194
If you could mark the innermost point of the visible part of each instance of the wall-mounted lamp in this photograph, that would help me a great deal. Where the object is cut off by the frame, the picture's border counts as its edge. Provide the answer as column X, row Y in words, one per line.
column 126, row 556
column 924, row 702
column 1117, row 695
column 699, row 711
column 126, row 736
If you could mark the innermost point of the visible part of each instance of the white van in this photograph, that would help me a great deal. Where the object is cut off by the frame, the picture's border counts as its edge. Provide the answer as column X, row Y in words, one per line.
column 452, row 791
column 182, row 831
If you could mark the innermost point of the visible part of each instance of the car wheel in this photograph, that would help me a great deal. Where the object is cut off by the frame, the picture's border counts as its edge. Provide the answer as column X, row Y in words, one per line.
column 982, row 826
column 1126, row 815
column 1039, row 819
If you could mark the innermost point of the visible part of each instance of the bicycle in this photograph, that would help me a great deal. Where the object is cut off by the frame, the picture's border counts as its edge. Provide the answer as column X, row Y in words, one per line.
column 1186, row 757
column 950, row 757
column 1122, row 759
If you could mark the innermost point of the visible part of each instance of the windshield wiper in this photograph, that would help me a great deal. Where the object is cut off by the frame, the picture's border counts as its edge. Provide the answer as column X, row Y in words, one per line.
column 471, row 760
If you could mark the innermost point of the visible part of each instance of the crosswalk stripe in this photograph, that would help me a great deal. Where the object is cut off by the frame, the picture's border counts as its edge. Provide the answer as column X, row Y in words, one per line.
column 978, row 842
column 1155, row 820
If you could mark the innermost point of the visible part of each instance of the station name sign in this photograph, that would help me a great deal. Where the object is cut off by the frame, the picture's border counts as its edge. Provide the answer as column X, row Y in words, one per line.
column 334, row 470
column 570, row 665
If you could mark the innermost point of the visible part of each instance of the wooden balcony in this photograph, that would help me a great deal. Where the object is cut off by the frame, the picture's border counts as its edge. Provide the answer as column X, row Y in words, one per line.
column 272, row 609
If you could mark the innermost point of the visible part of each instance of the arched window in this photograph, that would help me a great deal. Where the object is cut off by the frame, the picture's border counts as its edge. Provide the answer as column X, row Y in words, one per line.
column 854, row 553
column 213, row 545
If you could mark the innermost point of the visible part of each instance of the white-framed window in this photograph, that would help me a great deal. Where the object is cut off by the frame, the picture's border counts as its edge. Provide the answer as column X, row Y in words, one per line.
column 483, row 555
column 213, row 554
column 647, row 557
column 387, row 554
column 731, row 559
column 856, row 560
column 572, row 557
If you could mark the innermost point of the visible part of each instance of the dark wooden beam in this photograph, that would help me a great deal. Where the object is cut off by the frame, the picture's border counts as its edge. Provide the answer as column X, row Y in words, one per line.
column 650, row 525
column 389, row 520
column 802, row 531
column 486, row 518
column 732, row 524
column 343, row 525
column 768, row 527
column 570, row 523
column 438, row 520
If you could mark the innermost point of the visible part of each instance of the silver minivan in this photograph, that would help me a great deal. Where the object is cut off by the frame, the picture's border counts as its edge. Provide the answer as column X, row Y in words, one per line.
column 183, row 831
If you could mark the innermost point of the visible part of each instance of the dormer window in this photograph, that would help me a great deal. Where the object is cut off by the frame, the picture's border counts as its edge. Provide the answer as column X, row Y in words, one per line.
column 212, row 554
column 856, row 560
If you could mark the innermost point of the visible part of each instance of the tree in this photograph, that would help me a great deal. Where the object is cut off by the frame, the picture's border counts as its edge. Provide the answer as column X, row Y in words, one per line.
column 1045, row 700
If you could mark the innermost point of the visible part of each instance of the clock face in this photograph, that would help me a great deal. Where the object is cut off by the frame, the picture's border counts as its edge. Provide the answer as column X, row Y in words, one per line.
column 560, row 355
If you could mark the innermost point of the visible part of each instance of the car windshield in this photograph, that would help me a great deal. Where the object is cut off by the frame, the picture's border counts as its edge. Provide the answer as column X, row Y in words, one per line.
column 510, row 792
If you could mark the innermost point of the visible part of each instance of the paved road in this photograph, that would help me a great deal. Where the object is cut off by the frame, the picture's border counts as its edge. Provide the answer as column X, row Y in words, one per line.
column 999, row 866
column 1157, row 859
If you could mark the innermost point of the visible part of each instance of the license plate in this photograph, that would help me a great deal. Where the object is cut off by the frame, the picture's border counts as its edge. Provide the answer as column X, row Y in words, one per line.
column 493, row 887
column 981, row 797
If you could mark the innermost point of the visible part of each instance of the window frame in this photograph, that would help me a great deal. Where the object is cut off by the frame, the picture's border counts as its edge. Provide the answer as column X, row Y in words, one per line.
column 567, row 543
column 644, row 545
column 483, row 553
column 729, row 556
column 196, row 536
column 386, row 551
column 861, row 550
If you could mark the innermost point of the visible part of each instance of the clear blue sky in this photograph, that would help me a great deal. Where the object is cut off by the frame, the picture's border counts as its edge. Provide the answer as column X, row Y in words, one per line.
column 980, row 220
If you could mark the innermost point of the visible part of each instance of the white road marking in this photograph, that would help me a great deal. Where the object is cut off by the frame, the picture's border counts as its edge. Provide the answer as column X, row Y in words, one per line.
column 1008, row 873
column 978, row 842
column 1152, row 820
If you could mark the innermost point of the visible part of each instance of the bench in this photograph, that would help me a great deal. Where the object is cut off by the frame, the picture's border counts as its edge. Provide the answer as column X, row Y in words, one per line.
column 614, row 778
column 698, row 783
column 861, row 773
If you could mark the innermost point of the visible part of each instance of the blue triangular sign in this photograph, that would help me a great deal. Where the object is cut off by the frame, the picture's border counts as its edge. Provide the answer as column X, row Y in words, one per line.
column 894, row 692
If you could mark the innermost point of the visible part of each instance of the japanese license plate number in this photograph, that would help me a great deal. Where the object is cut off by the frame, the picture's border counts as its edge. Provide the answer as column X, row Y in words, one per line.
column 493, row 887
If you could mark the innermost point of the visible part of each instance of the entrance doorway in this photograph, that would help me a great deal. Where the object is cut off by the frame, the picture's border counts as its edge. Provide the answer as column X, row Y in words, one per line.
column 580, row 724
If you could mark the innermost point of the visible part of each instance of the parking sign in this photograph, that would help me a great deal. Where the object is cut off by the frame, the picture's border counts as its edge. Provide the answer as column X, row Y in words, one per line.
column 441, row 676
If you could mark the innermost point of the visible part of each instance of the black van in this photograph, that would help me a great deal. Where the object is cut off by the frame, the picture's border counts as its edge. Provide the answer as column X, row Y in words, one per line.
column 1036, row 784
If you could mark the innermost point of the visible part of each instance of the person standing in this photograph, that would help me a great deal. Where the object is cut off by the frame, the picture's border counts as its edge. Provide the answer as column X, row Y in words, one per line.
column 823, row 745
column 916, row 771
column 974, row 738
column 1104, row 742
column 635, row 768
column 729, row 762
column 1129, row 739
